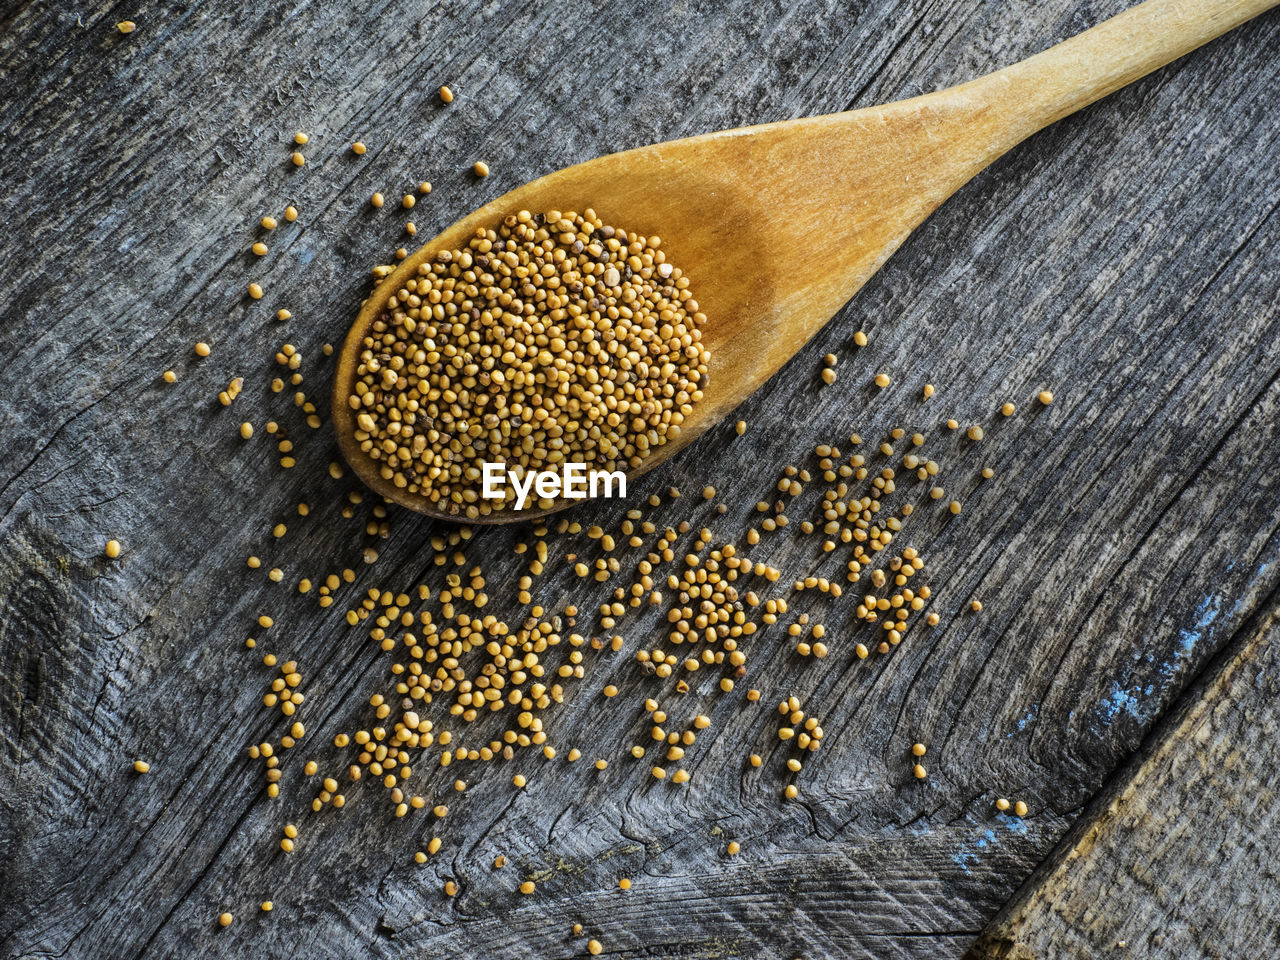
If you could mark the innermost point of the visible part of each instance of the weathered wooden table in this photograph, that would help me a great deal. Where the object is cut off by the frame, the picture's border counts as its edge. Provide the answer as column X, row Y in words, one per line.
column 1119, row 678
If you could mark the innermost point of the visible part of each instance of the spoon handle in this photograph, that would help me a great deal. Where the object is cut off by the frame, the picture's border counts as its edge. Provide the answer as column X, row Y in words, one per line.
column 1029, row 95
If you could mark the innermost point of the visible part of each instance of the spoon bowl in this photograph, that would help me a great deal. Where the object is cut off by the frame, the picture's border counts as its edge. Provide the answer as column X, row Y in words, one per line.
column 778, row 225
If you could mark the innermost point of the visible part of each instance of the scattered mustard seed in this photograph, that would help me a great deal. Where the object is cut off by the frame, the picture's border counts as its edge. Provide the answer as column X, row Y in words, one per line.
column 225, row 920
column 377, row 199
column 481, row 168
column 169, row 377
column 733, row 849
column 1020, row 809
column 202, row 349
column 740, row 427
column 595, row 947
column 424, row 187
column 255, row 291
column 358, row 148
column 624, row 884
column 300, row 138
column 1002, row 804
column 975, row 605
column 112, row 549
column 1045, row 397
column 298, row 159
column 1007, row 409
column 246, row 430
column 141, row 766
column 291, row 213
column 527, row 887
column 860, row 338
column 882, row 380
column 126, row 26
column 446, row 95
column 260, row 249
column 919, row 771
column 918, row 749
column 928, row 390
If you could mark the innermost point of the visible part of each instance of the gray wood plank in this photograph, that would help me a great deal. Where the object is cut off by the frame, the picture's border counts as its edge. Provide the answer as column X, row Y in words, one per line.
column 1121, row 258
column 1175, row 858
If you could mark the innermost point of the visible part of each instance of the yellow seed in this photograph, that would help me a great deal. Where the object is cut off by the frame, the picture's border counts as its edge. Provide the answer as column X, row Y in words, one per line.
column 1002, row 804
column 377, row 200
column 112, row 549
column 126, row 26
column 268, row 223
column 358, row 148
column 246, row 430
column 1008, row 409
column 225, row 920
column 955, row 506
column 860, row 338
column 291, row 213
column 920, row 771
column 595, row 947
column 283, row 314
column 928, row 390
column 267, row 906
column 300, row 138
column 202, row 349
column 170, row 377
column 1020, row 809
column 740, row 427
column 408, row 201
column 975, row 432
column 446, row 95
column 1045, row 397
column 828, row 375
column 918, row 749
column 624, row 884
column 791, row 792
column 290, row 831
column 975, row 605
column 141, row 766
column 255, row 291
column 286, row 845
column 481, row 168
column 260, row 248
column 527, row 887
column 519, row 780
column 298, row 159
column 424, row 187
column 882, row 380
column 434, row 846
column 733, row 849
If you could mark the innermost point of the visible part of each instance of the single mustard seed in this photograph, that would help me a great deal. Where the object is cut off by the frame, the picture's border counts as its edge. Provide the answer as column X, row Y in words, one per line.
column 246, row 430
column 260, row 249
column 928, row 390
column 408, row 201
column 202, row 349
column 733, row 849
column 126, row 26
column 358, row 148
column 255, row 291
column 225, row 920
column 298, row 159
column 141, row 766
column 170, row 377
column 300, row 138
column 919, row 771
column 860, row 338
column 595, row 947
column 519, row 780
column 112, row 549
column 268, row 223
column 1045, row 397
column 975, row 605
column 1002, row 804
column 283, row 314
column 975, row 432
column 291, row 213
column 918, row 749
column 527, row 887
column 740, row 427
column 882, row 380
column 267, row 906
column 1008, row 409
column 828, row 376
column 955, row 506
column 624, row 884
column 377, row 200
column 481, row 168
column 446, row 95
column 933, row 619
column 1020, row 809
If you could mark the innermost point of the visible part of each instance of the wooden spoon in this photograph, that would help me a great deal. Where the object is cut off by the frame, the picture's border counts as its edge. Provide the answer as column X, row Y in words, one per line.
column 778, row 225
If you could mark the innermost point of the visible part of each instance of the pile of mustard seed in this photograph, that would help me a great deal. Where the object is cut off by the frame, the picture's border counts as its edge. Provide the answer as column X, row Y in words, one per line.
column 552, row 339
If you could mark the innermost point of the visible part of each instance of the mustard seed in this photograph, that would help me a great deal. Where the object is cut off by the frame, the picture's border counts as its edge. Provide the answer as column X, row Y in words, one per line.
column 358, row 148
column 1007, row 409
column 955, row 506
column 527, row 887
column 595, row 947
column 291, row 213
column 300, row 138
column 733, row 849
column 828, row 376
column 1020, row 809
column 126, row 27
column 1045, row 397
column 424, row 187
column 267, row 906
column 112, row 549
column 298, row 159
column 446, row 95
column 255, row 291
column 624, row 884
column 919, row 771
column 860, row 338
column 740, row 427
column 918, row 749
column 202, row 349
column 975, row 432
column 480, row 168
column 928, row 390
column 408, row 201
column 170, row 377
column 260, row 249
column 882, row 380
column 377, row 200
column 246, row 430
column 975, row 605
column 1002, row 804
column 141, row 766
column 268, row 223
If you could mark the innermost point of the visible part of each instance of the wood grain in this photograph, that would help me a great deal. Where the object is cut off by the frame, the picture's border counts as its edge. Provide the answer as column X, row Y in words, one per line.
column 1121, row 258
column 1189, row 825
